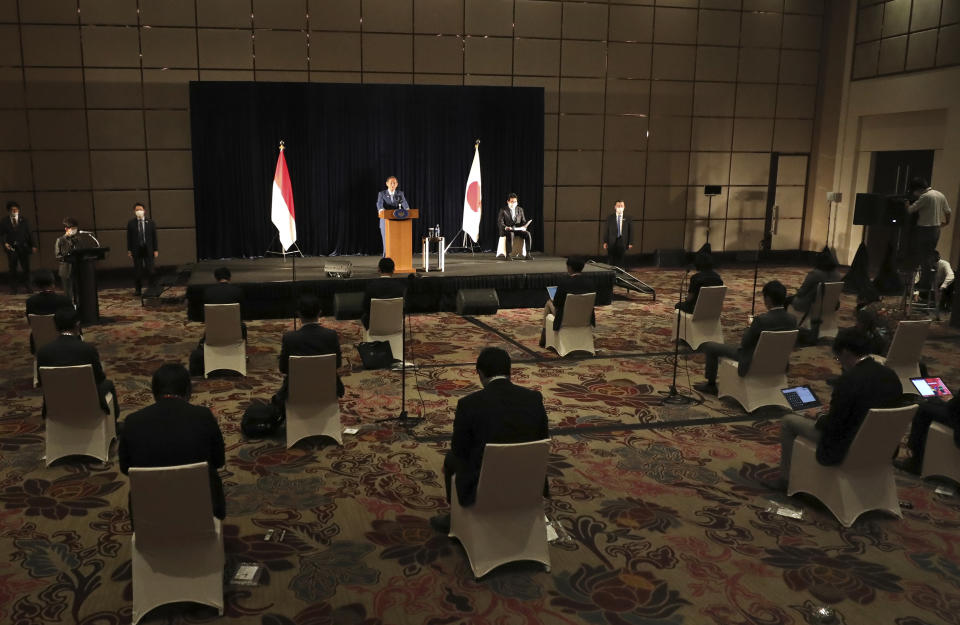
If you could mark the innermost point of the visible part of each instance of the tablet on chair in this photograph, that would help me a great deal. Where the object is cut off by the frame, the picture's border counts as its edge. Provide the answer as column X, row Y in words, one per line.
column 800, row 397
column 931, row 387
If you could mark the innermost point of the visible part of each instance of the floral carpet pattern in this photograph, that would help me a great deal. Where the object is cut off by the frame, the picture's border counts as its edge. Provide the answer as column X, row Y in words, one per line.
column 663, row 513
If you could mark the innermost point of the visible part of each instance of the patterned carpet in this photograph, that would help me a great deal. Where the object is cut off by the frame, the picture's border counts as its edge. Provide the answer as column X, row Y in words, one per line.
column 664, row 518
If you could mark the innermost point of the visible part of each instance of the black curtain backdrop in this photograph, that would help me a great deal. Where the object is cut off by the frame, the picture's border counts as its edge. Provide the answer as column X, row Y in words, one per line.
column 342, row 141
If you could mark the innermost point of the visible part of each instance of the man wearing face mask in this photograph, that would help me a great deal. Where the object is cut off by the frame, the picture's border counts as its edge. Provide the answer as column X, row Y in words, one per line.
column 512, row 223
column 64, row 245
column 18, row 244
column 391, row 199
column 616, row 236
column 141, row 245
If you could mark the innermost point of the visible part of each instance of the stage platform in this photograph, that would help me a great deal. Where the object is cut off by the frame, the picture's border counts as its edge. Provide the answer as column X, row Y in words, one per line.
column 271, row 289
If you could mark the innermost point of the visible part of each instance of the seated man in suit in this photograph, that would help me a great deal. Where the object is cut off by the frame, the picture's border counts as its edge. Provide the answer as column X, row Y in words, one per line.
column 824, row 270
column 510, row 220
column 934, row 409
column 173, row 431
column 68, row 350
column 705, row 276
column 500, row 413
column 864, row 384
column 574, row 283
column 385, row 287
column 47, row 301
column 312, row 339
column 225, row 293
column 775, row 319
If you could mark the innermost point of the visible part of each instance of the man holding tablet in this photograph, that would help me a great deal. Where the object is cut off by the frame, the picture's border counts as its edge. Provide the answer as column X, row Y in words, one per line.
column 935, row 407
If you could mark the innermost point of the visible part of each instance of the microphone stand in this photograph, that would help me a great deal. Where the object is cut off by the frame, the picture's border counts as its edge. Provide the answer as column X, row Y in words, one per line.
column 403, row 419
column 674, row 397
column 756, row 270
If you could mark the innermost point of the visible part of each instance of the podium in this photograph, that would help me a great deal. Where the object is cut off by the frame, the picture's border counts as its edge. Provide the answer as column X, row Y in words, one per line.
column 399, row 239
column 84, row 275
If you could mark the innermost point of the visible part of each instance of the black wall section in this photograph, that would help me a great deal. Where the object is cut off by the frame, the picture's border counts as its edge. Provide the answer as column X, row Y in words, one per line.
column 342, row 142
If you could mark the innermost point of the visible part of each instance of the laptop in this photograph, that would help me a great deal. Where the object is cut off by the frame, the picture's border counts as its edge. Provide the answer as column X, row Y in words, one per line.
column 552, row 291
column 800, row 397
column 931, row 387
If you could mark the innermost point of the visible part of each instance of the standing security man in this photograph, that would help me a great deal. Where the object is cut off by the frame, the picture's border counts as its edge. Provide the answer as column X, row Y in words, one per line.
column 141, row 245
column 616, row 237
column 18, row 244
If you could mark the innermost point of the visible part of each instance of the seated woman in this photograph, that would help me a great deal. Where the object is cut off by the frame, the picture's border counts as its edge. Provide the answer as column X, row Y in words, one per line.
column 824, row 270
column 705, row 276
column 874, row 319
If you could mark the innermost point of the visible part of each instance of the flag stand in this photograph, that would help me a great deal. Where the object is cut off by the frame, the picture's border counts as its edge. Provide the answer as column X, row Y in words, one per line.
column 282, row 252
column 464, row 246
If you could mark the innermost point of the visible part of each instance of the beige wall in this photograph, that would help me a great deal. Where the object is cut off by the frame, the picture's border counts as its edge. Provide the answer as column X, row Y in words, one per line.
column 646, row 100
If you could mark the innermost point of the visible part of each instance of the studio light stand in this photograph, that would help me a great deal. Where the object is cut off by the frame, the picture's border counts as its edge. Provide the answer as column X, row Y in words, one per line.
column 674, row 398
column 403, row 419
column 710, row 191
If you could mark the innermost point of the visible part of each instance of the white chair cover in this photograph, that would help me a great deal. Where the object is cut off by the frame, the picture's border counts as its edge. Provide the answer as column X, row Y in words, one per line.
column 75, row 423
column 386, row 324
column 703, row 324
column 43, row 331
column 941, row 457
column 506, row 523
column 224, row 346
column 766, row 376
column 575, row 333
column 177, row 544
column 312, row 406
column 904, row 353
column 864, row 480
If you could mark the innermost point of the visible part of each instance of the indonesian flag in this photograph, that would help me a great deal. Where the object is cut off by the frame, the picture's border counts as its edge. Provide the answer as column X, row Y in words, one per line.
column 472, row 197
column 281, row 208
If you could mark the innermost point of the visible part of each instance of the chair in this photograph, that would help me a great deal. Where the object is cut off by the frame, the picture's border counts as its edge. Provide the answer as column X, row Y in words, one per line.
column 864, row 480
column 42, row 330
column 224, row 346
column 941, row 456
column 386, row 324
column 828, row 320
column 575, row 333
column 904, row 353
column 177, row 543
column 506, row 523
column 502, row 246
column 312, row 406
column 703, row 324
column 766, row 376
column 75, row 423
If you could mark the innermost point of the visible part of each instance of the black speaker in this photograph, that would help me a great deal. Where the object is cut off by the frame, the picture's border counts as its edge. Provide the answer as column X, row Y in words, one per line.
column 711, row 189
column 477, row 302
column 870, row 209
column 348, row 305
column 670, row 258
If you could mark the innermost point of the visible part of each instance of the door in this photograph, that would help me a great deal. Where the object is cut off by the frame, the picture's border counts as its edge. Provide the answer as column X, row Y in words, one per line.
column 786, row 199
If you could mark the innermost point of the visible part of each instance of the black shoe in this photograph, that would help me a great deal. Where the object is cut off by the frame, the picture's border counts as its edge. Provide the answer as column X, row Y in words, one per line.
column 441, row 523
column 910, row 465
column 707, row 388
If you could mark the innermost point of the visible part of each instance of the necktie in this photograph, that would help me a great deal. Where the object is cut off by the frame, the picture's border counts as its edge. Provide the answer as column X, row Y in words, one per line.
column 143, row 238
column 619, row 225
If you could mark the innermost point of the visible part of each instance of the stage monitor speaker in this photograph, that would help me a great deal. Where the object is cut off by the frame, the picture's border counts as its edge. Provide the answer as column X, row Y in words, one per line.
column 477, row 302
column 711, row 189
column 670, row 258
column 348, row 305
column 870, row 209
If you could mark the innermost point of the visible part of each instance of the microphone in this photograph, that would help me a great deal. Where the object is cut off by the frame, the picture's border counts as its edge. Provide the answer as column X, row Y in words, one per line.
column 84, row 232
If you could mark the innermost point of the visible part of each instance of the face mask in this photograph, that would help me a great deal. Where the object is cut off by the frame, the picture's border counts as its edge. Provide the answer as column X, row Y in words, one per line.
column 139, row 214
column 71, row 232
column 512, row 204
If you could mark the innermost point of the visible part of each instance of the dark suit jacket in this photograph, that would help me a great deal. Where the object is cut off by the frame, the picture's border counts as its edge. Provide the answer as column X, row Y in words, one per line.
column 807, row 292
column 774, row 320
column 310, row 340
column 46, row 303
column 173, row 432
column 571, row 284
column 500, row 413
column 384, row 201
column 381, row 288
column 697, row 282
column 149, row 233
column 504, row 219
column 67, row 350
column 19, row 237
column 867, row 385
column 224, row 293
column 610, row 233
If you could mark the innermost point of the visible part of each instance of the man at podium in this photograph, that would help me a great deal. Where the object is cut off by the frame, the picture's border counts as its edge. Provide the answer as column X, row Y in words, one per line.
column 64, row 245
column 390, row 199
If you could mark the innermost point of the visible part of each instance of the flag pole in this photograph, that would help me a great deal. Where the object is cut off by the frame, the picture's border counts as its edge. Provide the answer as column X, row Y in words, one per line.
column 294, row 257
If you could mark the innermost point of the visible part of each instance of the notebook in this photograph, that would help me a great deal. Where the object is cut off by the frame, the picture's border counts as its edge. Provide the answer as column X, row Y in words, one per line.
column 800, row 397
column 931, row 387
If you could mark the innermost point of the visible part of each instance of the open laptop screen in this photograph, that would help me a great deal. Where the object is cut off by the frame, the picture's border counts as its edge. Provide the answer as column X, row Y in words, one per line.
column 800, row 397
column 931, row 387
column 552, row 291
